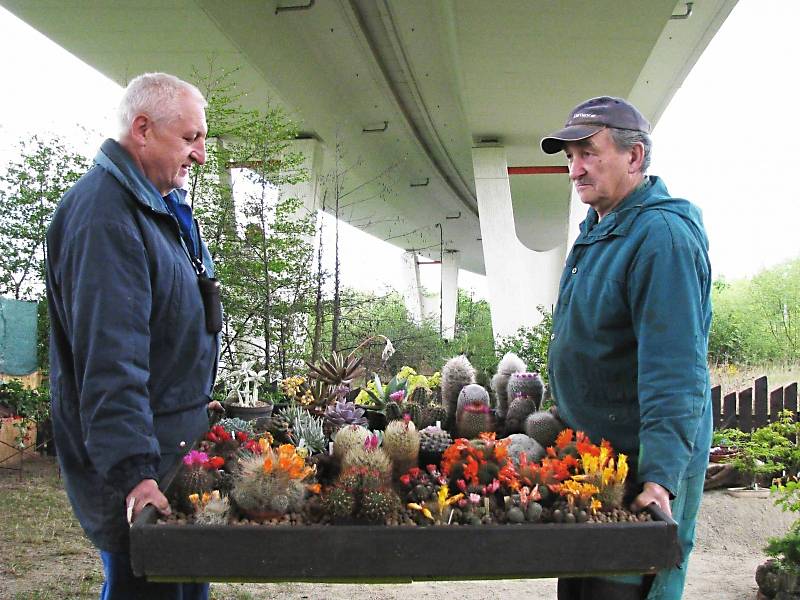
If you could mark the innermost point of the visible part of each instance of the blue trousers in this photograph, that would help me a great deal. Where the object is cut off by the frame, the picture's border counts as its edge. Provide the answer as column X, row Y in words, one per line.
column 667, row 584
column 122, row 584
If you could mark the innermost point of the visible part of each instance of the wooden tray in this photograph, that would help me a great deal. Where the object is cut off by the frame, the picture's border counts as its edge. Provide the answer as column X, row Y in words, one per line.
column 339, row 553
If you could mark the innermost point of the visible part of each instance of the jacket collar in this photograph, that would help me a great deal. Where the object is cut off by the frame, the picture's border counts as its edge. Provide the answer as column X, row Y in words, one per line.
column 116, row 160
column 619, row 221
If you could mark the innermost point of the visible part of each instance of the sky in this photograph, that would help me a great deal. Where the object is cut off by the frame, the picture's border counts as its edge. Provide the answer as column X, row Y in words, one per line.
column 727, row 141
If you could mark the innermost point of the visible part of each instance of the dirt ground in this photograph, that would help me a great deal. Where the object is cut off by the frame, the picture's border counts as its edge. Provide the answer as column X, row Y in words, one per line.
column 47, row 557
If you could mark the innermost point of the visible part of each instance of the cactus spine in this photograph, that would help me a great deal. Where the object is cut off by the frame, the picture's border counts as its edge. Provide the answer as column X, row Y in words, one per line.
column 509, row 364
column 349, row 438
column 544, row 427
column 401, row 442
column 525, row 384
column 473, row 420
column 518, row 411
column 370, row 458
column 456, row 373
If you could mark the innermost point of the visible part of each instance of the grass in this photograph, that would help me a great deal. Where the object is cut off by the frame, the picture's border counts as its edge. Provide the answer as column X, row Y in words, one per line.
column 45, row 554
column 734, row 378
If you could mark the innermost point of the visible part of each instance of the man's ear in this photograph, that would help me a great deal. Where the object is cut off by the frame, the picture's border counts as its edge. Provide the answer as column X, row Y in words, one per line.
column 140, row 129
column 636, row 158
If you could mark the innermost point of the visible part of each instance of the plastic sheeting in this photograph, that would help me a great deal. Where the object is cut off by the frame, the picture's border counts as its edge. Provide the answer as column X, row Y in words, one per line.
column 17, row 337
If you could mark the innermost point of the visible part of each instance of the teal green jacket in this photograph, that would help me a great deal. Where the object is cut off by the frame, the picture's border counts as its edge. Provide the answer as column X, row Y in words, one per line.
column 627, row 359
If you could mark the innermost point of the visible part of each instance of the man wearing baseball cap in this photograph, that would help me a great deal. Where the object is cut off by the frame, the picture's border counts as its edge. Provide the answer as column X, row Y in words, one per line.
column 627, row 361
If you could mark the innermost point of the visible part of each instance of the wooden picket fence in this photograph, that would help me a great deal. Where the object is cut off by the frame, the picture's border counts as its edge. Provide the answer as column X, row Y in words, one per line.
column 753, row 407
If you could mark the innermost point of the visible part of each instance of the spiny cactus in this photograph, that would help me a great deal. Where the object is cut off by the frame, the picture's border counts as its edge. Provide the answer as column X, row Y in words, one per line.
column 544, row 427
column 456, row 373
column 378, row 505
column 279, row 426
column 472, row 394
column 519, row 409
column 519, row 444
column 433, row 413
column 197, row 475
column 434, row 439
column 214, row 511
column 343, row 413
column 273, row 481
column 473, row 420
column 361, row 494
column 525, row 384
column 401, row 442
column 339, row 503
column 370, row 456
column 509, row 364
column 348, row 438
column 420, row 395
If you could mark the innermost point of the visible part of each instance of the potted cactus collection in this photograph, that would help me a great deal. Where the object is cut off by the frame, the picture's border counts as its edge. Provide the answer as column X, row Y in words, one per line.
column 437, row 464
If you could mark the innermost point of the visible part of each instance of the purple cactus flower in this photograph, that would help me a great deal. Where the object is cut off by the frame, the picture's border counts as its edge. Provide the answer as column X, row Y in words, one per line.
column 371, row 443
column 397, row 396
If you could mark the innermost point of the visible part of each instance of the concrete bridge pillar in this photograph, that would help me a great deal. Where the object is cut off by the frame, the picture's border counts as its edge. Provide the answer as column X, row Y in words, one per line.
column 412, row 288
column 449, row 294
column 519, row 278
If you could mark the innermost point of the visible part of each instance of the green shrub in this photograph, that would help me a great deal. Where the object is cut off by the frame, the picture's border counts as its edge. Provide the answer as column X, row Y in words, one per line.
column 23, row 402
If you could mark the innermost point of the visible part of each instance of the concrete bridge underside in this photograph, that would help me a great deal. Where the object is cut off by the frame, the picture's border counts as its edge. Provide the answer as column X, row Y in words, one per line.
column 442, row 97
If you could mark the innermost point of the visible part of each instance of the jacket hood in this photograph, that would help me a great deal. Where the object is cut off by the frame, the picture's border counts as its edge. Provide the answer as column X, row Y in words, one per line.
column 651, row 195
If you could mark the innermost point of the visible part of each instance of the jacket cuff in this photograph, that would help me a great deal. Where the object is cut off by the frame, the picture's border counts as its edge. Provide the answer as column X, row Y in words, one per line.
column 128, row 473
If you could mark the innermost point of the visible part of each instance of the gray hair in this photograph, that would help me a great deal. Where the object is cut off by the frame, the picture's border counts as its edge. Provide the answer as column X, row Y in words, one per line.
column 153, row 94
column 625, row 139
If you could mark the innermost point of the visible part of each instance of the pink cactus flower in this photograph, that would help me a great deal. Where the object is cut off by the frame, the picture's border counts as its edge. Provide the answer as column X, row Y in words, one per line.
column 195, row 458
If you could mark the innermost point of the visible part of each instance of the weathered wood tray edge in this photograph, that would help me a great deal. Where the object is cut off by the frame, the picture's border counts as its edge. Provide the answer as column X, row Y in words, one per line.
column 339, row 553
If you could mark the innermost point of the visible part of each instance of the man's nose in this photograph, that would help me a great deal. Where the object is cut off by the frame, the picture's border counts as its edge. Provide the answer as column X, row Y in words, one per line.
column 198, row 155
column 576, row 169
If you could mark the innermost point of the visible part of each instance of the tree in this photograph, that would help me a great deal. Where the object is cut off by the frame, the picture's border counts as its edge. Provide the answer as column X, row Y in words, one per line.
column 531, row 343
column 262, row 245
column 757, row 320
column 30, row 189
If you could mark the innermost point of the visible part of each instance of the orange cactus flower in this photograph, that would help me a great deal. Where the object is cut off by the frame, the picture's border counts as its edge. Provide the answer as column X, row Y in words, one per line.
column 564, row 439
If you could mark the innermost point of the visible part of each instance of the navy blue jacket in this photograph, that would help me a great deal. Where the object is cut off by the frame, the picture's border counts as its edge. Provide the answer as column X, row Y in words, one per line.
column 627, row 361
column 131, row 362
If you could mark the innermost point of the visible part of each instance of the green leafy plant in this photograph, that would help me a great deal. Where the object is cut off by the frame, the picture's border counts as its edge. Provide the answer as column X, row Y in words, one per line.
column 27, row 403
column 771, row 450
column 786, row 549
column 530, row 343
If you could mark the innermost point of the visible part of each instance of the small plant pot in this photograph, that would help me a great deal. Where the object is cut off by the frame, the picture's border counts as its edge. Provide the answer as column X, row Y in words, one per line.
column 722, row 454
column 745, row 492
column 248, row 413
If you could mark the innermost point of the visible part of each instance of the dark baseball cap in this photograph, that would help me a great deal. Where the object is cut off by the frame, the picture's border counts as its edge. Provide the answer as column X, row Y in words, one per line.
column 591, row 116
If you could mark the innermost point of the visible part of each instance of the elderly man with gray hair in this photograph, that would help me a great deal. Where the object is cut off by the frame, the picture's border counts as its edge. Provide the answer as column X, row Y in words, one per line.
column 627, row 359
column 135, row 317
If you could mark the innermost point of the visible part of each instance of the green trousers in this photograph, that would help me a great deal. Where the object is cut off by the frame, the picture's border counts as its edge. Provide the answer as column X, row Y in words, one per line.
column 667, row 584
